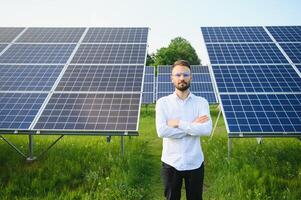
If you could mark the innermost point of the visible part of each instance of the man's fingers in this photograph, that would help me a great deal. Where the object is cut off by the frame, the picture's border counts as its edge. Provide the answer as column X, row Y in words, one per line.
column 201, row 119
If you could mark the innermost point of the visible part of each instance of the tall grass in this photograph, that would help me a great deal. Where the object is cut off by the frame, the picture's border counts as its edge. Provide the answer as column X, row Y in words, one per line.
column 85, row 167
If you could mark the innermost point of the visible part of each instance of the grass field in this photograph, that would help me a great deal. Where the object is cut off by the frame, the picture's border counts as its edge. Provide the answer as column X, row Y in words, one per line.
column 87, row 167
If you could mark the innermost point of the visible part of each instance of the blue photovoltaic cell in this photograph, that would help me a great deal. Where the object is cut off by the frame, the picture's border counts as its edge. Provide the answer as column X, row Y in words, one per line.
column 148, row 86
column 51, row 35
column 245, row 54
column 110, row 54
column 2, row 46
column 28, row 77
column 256, row 78
column 263, row 113
column 95, row 112
column 199, row 69
column 235, row 34
column 148, row 78
column 147, row 97
column 106, row 78
column 37, row 53
column 293, row 50
column 116, row 35
column 286, row 33
column 150, row 70
column 17, row 110
column 8, row 34
column 164, row 69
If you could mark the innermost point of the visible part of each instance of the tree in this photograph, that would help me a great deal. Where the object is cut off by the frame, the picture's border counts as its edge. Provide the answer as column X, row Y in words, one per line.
column 178, row 49
column 150, row 59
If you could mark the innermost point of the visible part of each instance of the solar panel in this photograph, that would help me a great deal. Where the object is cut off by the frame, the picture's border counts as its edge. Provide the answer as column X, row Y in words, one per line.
column 116, row 35
column 8, row 34
column 201, row 84
column 51, row 35
column 37, row 53
column 256, row 78
column 17, row 110
column 245, row 53
column 2, row 46
column 235, row 34
column 148, row 95
column 258, row 88
column 28, row 77
column 110, row 54
column 95, row 112
column 272, row 114
column 99, row 92
column 106, row 78
column 164, row 69
column 286, row 33
column 293, row 50
column 197, row 69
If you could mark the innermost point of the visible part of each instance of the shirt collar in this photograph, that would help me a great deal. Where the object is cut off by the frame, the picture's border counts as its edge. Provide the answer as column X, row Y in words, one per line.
column 190, row 95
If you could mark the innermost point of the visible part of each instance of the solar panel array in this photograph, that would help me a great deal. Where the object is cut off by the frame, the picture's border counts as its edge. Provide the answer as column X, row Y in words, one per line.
column 148, row 95
column 71, row 80
column 201, row 84
column 259, row 86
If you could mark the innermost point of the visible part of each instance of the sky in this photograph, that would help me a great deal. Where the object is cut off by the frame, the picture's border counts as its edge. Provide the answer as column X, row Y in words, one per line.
column 166, row 19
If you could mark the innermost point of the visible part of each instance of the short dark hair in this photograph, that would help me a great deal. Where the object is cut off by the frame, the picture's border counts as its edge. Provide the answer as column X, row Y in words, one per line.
column 181, row 63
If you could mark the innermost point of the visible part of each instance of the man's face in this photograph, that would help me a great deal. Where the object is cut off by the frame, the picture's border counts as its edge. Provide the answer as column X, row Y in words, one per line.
column 181, row 77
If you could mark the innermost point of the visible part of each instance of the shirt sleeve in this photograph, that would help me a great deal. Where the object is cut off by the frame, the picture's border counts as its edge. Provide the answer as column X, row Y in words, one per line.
column 198, row 129
column 163, row 130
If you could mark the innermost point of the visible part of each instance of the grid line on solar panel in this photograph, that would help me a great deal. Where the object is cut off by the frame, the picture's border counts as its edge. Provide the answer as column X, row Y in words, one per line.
column 285, row 33
column 116, row 35
column 107, row 78
column 263, row 113
column 256, row 78
column 110, row 54
column 245, row 54
column 148, row 86
column 17, row 110
column 209, row 96
column 8, row 34
column 147, row 97
column 96, row 112
column 2, row 47
column 293, row 50
column 51, row 35
column 234, row 34
column 37, row 53
column 28, row 77
column 149, row 70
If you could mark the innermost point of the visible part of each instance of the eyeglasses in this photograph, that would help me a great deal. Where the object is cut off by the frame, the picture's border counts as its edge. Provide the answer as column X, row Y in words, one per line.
column 185, row 75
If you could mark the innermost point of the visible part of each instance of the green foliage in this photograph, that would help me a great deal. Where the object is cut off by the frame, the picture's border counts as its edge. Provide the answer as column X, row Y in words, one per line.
column 178, row 49
column 150, row 59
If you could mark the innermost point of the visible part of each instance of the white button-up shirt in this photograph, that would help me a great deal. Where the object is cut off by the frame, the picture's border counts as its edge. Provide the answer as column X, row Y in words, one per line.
column 181, row 146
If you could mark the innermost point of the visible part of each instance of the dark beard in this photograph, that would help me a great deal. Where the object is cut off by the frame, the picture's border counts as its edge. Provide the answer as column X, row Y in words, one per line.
column 184, row 88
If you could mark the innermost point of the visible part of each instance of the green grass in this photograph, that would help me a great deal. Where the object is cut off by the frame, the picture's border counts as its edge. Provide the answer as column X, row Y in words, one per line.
column 86, row 167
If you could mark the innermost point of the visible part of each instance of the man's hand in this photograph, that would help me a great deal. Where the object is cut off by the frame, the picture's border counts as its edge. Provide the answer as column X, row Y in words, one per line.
column 201, row 119
column 173, row 123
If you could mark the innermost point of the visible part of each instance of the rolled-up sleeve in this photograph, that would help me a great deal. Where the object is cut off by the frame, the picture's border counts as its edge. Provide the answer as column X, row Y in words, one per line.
column 163, row 130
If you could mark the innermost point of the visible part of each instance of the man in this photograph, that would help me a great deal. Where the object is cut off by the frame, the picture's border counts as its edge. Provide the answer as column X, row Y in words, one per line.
column 181, row 118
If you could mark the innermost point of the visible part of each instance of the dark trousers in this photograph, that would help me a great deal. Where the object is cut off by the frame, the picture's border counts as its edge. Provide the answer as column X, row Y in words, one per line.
column 172, row 180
